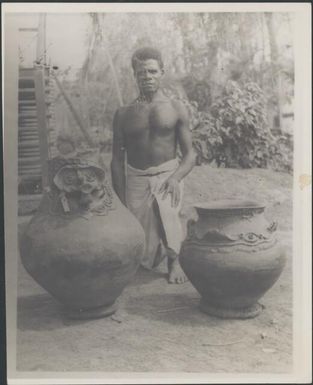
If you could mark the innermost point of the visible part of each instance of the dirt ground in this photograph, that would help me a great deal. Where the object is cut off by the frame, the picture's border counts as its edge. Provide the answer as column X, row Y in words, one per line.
column 159, row 327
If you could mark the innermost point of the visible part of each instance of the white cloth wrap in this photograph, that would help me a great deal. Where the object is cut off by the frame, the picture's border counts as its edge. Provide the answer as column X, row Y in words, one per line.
column 141, row 192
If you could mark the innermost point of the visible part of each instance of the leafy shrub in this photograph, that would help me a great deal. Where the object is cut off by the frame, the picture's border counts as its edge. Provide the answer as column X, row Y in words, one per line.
column 282, row 153
column 235, row 132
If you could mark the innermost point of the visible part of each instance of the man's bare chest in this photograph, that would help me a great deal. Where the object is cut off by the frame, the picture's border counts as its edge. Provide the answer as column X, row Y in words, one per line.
column 142, row 119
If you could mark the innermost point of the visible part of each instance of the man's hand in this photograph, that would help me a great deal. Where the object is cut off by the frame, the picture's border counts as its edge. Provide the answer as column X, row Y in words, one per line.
column 171, row 186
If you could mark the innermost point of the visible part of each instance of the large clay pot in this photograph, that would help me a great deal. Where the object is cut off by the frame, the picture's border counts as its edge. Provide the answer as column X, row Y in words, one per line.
column 232, row 257
column 82, row 246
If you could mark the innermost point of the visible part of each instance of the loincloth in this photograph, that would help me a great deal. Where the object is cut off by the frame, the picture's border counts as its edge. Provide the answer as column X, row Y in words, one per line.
column 156, row 215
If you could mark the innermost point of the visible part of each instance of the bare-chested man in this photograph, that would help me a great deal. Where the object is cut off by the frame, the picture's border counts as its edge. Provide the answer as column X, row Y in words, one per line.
column 148, row 132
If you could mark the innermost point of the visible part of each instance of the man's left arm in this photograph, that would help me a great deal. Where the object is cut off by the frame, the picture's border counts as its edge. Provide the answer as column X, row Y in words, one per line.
column 171, row 185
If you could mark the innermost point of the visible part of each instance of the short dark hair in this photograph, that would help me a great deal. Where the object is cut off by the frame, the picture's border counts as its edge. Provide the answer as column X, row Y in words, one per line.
column 146, row 53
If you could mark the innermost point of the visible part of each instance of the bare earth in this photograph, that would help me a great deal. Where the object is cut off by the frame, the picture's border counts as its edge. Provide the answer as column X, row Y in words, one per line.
column 158, row 327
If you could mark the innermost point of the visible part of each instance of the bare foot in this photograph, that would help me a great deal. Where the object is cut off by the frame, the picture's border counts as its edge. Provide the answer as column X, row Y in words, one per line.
column 176, row 274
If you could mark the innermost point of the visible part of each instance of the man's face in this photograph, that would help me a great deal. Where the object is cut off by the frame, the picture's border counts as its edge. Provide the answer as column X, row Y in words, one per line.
column 148, row 75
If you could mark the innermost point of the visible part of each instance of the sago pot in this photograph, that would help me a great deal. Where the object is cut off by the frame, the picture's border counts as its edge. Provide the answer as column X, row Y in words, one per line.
column 83, row 245
column 232, row 257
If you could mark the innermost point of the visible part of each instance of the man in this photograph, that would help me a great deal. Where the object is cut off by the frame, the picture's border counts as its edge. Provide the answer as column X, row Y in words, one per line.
column 147, row 132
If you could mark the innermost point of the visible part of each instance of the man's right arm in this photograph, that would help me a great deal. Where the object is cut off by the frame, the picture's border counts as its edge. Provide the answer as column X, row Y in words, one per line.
column 118, row 160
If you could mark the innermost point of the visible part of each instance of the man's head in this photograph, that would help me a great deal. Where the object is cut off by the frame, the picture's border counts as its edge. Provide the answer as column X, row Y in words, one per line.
column 146, row 53
column 148, row 69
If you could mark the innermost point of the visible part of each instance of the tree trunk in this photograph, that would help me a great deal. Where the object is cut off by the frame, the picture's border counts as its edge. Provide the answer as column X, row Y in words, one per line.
column 274, row 60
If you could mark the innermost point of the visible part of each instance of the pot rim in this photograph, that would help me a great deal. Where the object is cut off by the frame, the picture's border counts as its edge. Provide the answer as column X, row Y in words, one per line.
column 228, row 204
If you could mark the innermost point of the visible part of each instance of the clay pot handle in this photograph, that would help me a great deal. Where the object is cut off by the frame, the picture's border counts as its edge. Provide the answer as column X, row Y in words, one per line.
column 272, row 227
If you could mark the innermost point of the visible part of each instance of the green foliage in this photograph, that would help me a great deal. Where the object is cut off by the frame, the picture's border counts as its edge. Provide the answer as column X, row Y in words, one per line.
column 235, row 132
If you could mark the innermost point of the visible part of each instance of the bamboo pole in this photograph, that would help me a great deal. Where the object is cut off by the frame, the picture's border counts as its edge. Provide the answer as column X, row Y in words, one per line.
column 118, row 91
column 42, row 126
column 41, row 40
column 117, row 87
column 73, row 111
column 111, row 64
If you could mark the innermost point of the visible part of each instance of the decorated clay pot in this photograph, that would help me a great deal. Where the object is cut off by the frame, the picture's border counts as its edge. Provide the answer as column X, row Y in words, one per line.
column 83, row 245
column 232, row 257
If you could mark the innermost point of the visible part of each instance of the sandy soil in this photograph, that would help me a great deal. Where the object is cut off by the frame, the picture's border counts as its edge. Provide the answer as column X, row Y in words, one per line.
column 158, row 326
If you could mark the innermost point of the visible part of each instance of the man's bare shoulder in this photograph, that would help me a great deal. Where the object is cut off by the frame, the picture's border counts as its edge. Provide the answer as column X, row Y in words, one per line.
column 120, row 112
column 127, row 107
column 177, row 104
column 180, row 107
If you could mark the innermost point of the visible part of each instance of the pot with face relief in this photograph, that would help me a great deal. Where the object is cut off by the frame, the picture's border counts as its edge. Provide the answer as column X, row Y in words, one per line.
column 83, row 245
column 232, row 257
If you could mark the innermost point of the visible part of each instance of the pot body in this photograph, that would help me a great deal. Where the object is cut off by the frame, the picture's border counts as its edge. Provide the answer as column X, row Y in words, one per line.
column 232, row 257
column 84, row 261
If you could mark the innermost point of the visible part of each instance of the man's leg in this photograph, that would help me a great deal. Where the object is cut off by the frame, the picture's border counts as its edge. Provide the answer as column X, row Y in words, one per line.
column 175, row 271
